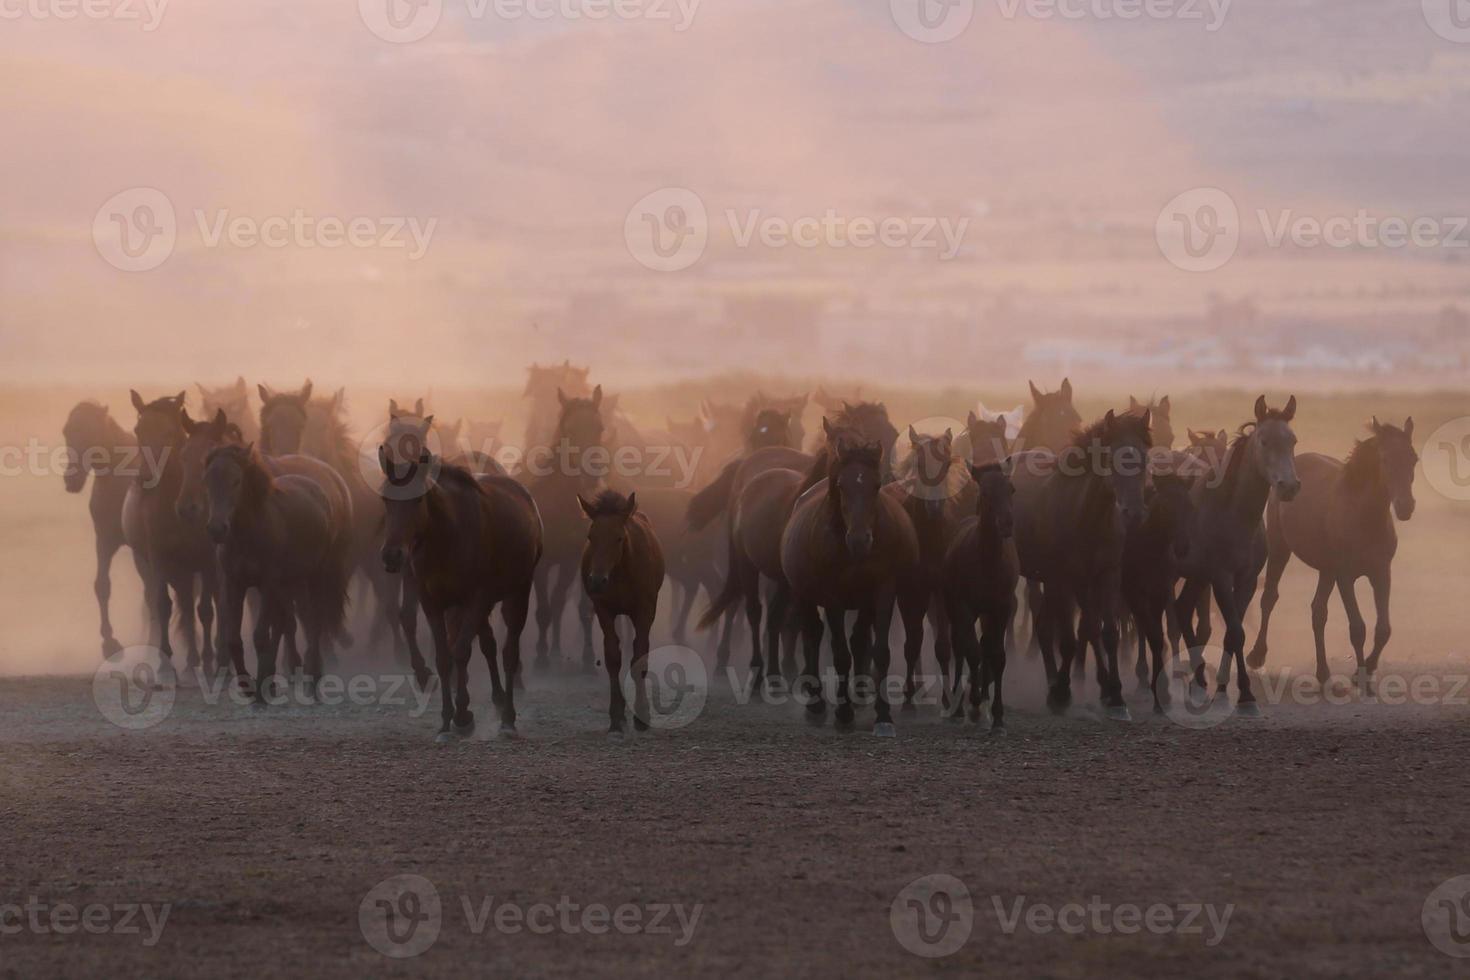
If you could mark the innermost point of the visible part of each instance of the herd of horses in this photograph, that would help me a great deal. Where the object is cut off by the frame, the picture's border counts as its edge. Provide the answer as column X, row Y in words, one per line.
column 1055, row 536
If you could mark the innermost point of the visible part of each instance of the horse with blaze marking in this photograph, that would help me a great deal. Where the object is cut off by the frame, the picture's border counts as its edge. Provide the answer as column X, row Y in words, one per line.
column 622, row 570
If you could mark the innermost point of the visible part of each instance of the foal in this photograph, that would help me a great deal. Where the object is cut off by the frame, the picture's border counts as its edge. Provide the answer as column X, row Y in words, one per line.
column 96, row 444
column 622, row 571
column 1341, row 526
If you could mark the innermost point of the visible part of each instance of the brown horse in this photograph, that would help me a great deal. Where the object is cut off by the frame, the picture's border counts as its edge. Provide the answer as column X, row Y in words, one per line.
column 1159, row 418
column 848, row 546
column 97, row 445
column 546, row 387
column 1227, row 536
column 1072, row 512
column 622, row 570
column 791, row 408
column 556, row 473
column 1052, row 421
column 471, row 543
column 1341, row 524
column 1152, row 552
column 170, row 553
column 234, row 401
column 770, row 428
column 928, row 486
column 284, row 537
column 980, row 576
column 863, row 422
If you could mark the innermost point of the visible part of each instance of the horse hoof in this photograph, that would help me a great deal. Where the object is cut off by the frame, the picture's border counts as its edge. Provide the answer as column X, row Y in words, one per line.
column 843, row 727
column 909, row 708
column 816, row 718
column 444, row 738
column 1117, row 712
column 1058, row 702
column 258, row 706
column 998, row 730
column 508, row 731
column 639, row 725
column 110, row 647
column 885, row 729
column 955, row 717
column 1256, row 657
column 422, row 680
column 615, row 733
column 1248, row 709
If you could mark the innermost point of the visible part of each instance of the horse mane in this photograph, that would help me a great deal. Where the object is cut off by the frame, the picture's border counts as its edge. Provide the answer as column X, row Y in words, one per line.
column 906, row 472
column 854, row 416
column 257, row 477
column 337, row 446
column 458, row 476
column 608, row 503
column 1085, row 437
column 1362, row 463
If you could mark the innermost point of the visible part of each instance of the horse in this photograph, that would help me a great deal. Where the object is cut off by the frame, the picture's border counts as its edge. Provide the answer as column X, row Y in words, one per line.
column 1158, row 413
column 862, row 422
column 202, row 438
column 1152, row 552
column 1072, row 512
column 555, row 474
column 1227, row 538
column 791, row 408
column 471, row 543
column 170, row 553
column 234, row 401
column 286, row 538
column 928, row 486
column 97, row 445
column 545, row 386
column 770, row 428
column 848, row 546
column 980, row 573
column 622, row 571
column 1052, row 422
column 1342, row 525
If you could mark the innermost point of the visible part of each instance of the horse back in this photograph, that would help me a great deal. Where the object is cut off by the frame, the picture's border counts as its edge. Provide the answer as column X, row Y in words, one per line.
column 760, row 517
column 512, row 527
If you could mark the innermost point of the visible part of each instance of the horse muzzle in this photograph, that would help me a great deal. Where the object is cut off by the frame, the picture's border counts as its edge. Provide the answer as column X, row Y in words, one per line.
column 596, row 584
column 74, row 481
column 859, row 544
column 218, row 531
column 1286, row 490
column 1404, row 509
column 188, row 511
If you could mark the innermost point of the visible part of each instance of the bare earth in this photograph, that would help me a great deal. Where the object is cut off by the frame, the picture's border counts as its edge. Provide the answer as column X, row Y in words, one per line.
column 1326, row 827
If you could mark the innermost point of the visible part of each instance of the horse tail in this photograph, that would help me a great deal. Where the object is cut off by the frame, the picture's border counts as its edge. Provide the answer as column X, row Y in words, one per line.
column 714, row 499
column 730, row 594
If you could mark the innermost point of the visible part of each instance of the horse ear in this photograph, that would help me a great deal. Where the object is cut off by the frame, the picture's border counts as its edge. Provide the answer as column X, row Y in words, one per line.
column 1261, row 408
column 632, row 507
column 971, row 420
column 827, row 428
column 1409, row 427
column 1035, row 392
column 913, row 436
column 597, row 397
column 1148, row 418
column 1289, row 412
column 418, row 407
column 1163, row 406
column 138, row 402
column 1222, row 436
column 846, row 408
column 240, row 385
column 188, row 423
column 1132, row 403
column 219, row 421
column 586, row 507
column 264, row 393
column 1066, row 389
column 1373, row 425
column 426, row 425
column 383, row 460
column 393, row 412
column 948, row 434
column 202, row 392
column 305, row 394
column 1109, row 419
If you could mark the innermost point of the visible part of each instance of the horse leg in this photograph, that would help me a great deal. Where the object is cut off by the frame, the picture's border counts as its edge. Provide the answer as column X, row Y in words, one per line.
column 1382, row 582
column 163, row 614
column 540, row 581
column 1230, row 611
column 1172, row 630
column 1035, row 610
column 102, row 588
column 514, row 611
column 1060, row 612
column 556, row 609
column 1357, row 628
column 612, row 659
column 584, row 614
column 642, row 625
column 1106, row 630
column 750, row 586
column 1325, row 585
column 880, row 613
column 911, row 611
column 1276, row 562
column 1205, row 628
column 842, row 663
column 208, row 597
column 1187, row 603
column 684, row 595
column 492, row 662
column 993, row 646
column 1245, row 591
column 776, row 614
column 444, row 667
column 962, row 618
column 1045, row 637
column 231, row 620
column 408, row 612
column 809, row 683
column 943, row 647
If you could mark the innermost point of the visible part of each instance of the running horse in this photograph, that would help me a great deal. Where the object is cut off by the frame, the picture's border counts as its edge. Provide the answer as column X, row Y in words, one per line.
column 1341, row 525
column 97, row 446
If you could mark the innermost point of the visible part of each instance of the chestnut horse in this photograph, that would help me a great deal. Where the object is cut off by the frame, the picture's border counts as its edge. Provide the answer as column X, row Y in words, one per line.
column 622, row 571
column 1341, row 524
column 471, row 543
column 848, row 546
column 284, row 537
column 234, row 401
column 97, row 445
column 1072, row 512
column 980, row 576
column 170, row 553
column 1227, row 536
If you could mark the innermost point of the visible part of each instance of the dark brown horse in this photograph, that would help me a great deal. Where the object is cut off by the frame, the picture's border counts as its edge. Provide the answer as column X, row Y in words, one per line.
column 1341, row 525
column 171, row 553
column 97, row 446
column 546, row 387
column 1152, row 552
column 929, row 487
column 1072, row 512
column 471, row 543
column 980, row 576
column 234, row 401
column 1159, row 413
column 1227, row 536
column 791, row 428
column 1052, row 421
column 284, row 537
column 848, row 546
column 769, row 429
column 556, row 473
column 622, row 570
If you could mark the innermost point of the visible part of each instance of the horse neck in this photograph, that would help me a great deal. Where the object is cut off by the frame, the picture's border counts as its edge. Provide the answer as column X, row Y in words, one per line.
column 1369, row 491
column 257, row 484
column 114, row 441
column 988, row 540
column 1245, row 489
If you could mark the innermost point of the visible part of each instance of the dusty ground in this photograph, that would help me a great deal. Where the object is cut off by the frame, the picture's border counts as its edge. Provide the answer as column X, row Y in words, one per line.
column 1324, row 826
